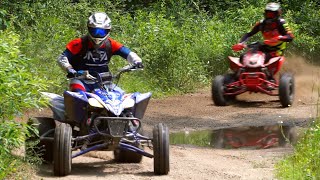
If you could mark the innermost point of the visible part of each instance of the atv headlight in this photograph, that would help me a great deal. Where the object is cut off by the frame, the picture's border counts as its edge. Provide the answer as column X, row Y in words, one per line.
column 128, row 103
column 95, row 103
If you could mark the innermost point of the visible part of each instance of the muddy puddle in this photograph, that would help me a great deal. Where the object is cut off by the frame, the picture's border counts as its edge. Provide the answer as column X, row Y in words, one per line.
column 257, row 137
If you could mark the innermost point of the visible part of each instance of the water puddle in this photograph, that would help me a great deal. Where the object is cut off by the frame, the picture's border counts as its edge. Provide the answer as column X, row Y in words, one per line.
column 238, row 137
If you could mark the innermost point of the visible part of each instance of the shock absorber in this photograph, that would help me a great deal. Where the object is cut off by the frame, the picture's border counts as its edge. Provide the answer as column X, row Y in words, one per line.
column 92, row 130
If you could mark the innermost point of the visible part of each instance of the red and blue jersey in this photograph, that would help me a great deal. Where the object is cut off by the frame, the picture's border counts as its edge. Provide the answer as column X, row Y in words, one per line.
column 83, row 56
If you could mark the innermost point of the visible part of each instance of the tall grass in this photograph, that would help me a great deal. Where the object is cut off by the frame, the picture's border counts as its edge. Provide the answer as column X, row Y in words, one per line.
column 182, row 43
column 305, row 162
column 11, row 138
column 19, row 86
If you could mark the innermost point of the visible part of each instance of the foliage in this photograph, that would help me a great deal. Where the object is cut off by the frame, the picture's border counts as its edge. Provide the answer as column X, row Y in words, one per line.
column 18, row 90
column 3, row 20
column 11, row 138
column 168, row 69
column 183, row 43
column 19, row 87
column 305, row 162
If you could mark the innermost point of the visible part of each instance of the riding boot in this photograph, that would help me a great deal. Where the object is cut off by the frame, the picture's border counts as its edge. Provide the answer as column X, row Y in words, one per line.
column 271, row 78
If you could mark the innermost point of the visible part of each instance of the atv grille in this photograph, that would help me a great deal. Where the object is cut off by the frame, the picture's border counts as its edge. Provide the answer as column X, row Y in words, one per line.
column 112, row 126
column 118, row 127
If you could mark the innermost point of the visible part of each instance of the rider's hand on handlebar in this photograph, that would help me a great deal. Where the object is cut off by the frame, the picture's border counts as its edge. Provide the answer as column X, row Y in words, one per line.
column 238, row 47
column 273, row 41
column 71, row 72
column 89, row 76
column 83, row 74
column 282, row 38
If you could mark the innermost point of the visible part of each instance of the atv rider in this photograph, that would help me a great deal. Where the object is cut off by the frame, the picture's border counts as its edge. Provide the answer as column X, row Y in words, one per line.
column 93, row 52
column 275, row 32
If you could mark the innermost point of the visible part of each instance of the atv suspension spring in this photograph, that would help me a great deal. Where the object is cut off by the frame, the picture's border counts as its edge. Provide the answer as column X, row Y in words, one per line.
column 92, row 130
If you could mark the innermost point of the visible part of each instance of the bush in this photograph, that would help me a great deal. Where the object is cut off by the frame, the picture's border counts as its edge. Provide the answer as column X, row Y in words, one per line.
column 12, row 137
column 305, row 162
column 183, row 43
column 19, row 90
column 19, row 81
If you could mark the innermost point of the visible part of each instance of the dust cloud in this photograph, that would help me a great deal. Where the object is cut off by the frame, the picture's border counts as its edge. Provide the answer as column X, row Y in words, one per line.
column 307, row 79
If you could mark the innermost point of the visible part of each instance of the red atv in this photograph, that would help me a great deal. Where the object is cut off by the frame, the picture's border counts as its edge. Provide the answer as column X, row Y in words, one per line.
column 253, row 74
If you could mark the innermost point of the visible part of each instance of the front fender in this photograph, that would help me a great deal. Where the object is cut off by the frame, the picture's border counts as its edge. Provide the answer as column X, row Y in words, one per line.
column 76, row 106
column 141, row 103
column 56, row 104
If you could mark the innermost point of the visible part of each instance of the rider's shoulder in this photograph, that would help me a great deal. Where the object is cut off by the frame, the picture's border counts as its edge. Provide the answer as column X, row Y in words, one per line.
column 75, row 45
column 115, row 45
column 112, row 40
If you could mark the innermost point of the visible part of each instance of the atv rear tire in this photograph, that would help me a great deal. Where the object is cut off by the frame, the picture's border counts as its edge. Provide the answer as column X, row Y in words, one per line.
column 42, row 149
column 62, row 159
column 127, row 156
column 217, row 90
column 286, row 90
column 161, row 149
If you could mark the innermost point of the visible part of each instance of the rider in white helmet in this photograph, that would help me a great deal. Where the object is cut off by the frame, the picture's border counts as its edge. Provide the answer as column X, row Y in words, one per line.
column 94, row 51
column 273, row 28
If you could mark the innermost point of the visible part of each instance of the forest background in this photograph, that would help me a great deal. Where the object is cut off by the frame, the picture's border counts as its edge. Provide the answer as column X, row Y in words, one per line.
column 183, row 44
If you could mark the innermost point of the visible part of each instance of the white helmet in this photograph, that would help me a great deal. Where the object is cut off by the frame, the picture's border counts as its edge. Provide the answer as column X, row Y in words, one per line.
column 272, row 10
column 99, row 26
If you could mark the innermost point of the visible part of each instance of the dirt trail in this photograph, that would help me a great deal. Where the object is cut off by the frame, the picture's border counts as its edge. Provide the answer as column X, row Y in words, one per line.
column 197, row 112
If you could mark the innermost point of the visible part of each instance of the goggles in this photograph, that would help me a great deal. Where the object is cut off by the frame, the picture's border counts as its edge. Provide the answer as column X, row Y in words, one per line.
column 271, row 14
column 98, row 32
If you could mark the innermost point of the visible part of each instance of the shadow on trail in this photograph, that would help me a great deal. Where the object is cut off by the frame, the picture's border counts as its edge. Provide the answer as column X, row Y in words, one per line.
column 96, row 169
column 271, row 104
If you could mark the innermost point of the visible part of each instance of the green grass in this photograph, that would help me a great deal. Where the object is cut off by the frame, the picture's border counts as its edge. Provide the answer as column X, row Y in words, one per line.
column 18, row 91
column 183, row 44
column 304, row 163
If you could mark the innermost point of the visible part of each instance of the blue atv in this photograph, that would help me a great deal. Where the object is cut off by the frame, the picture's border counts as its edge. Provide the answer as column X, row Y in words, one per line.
column 105, row 119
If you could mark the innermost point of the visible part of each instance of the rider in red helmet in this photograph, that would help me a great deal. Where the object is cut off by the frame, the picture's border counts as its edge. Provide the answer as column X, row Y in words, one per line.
column 275, row 32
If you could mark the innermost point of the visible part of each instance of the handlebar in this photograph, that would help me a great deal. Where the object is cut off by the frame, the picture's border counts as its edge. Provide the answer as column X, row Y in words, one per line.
column 241, row 46
column 105, row 77
column 270, row 42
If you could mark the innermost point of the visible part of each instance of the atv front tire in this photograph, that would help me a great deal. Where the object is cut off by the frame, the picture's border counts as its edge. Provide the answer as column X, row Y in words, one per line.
column 218, row 89
column 62, row 159
column 161, row 149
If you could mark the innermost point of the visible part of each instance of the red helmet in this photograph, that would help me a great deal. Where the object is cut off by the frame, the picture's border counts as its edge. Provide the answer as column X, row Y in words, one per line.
column 272, row 11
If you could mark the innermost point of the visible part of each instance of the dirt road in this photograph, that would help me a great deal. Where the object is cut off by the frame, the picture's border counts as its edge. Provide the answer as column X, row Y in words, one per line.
column 197, row 112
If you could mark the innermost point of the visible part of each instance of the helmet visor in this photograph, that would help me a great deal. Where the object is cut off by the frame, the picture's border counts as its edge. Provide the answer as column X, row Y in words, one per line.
column 98, row 32
column 271, row 14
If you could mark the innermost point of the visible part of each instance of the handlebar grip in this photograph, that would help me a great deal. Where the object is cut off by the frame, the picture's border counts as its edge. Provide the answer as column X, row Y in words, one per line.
column 70, row 75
